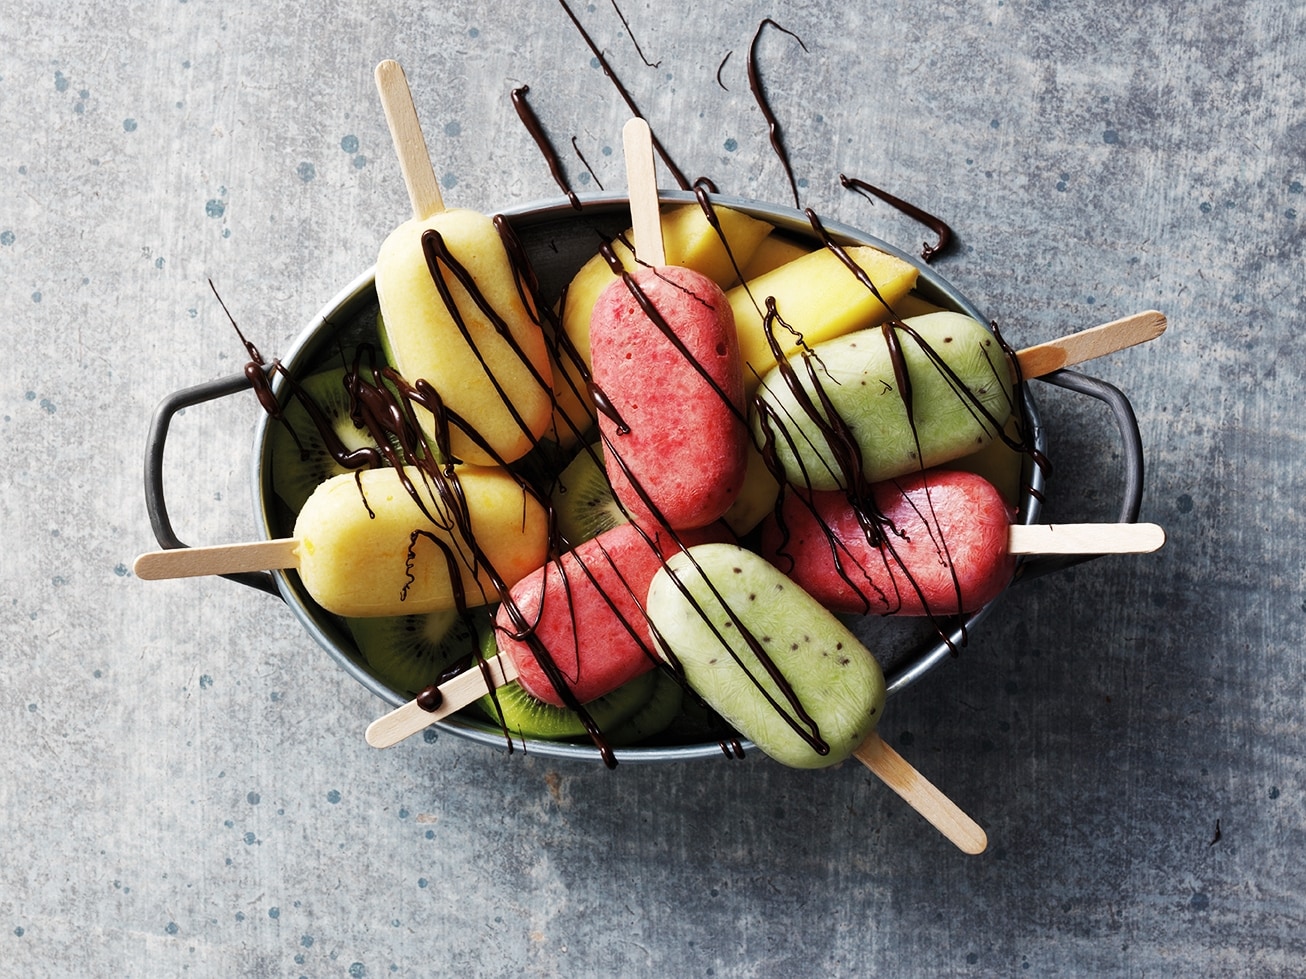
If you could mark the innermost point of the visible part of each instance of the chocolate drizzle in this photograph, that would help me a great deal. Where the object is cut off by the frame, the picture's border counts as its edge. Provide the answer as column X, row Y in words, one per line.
column 638, row 50
column 937, row 225
column 720, row 68
column 586, row 163
column 772, row 123
column 256, row 369
column 533, row 125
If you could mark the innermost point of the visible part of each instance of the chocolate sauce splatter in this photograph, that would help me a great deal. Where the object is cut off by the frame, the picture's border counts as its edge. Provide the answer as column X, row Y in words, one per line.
column 430, row 699
column 533, row 125
column 586, row 163
column 681, row 180
column 256, row 370
column 720, row 68
column 935, row 224
column 772, row 123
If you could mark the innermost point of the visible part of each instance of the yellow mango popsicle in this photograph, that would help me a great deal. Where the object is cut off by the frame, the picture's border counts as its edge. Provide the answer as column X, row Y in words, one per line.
column 455, row 312
column 392, row 542
column 473, row 339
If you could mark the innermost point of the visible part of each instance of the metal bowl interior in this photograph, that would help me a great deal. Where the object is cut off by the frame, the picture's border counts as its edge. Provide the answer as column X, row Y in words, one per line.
column 559, row 239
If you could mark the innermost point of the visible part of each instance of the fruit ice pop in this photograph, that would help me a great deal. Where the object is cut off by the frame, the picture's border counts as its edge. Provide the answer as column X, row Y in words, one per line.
column 370, row 545
column 702, row 236
column 665, row 375
column 456, row 312
column 767, row 657
column 669, row 388
column 393, row 542
column 939, row 542
column 932, row 543
column 689, row 240
column 914, row 393
column 578, row 622
column 785, row 672
column 454, row 317
column 882, row 402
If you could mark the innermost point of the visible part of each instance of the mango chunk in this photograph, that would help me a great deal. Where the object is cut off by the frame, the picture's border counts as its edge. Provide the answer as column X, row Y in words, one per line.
column 820, row 298
column 774, row 251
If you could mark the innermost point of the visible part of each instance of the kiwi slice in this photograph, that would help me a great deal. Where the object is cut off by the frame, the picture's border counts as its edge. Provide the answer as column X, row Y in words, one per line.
column 526, row 717
column 522, row 715
column 657, row 714
column 583, row 500
column 410, row 652
column 300, row 458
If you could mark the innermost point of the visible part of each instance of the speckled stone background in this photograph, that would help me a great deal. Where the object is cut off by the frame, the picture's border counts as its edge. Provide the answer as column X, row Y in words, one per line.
column 185, row 785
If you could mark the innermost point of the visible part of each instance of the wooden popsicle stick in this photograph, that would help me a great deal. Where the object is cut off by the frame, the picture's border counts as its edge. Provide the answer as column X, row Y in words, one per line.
column 455, row 694
column 922, row 795
column 191, row 562
column 642, row 184
column 1085, row 538
column 1089, row 344
column 410, row 145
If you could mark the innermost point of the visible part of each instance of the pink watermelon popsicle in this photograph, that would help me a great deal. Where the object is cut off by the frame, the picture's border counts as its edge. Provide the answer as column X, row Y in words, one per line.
column 670, row 395
column 584, row 611
column 934, row 543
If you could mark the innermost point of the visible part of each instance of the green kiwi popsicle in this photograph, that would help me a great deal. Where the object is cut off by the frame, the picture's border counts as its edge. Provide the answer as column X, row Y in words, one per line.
column 785, row 672
column 769, row 659
column 915, row 393
column 880, row 403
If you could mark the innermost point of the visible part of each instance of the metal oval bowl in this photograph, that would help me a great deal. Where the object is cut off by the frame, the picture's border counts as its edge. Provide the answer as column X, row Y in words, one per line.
column 559, row 239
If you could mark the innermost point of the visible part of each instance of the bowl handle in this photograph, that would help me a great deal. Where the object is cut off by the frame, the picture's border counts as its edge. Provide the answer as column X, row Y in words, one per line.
column 1132, row 453
column 158, row 435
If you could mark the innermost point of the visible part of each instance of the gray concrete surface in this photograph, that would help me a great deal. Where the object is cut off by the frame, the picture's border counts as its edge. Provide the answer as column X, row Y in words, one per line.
column 185, row 787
